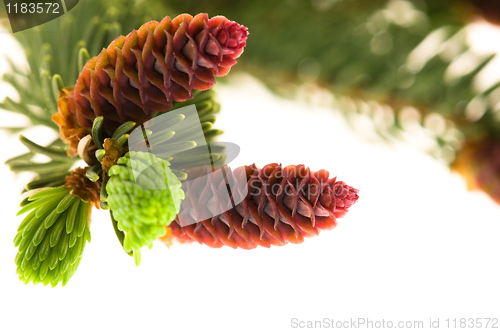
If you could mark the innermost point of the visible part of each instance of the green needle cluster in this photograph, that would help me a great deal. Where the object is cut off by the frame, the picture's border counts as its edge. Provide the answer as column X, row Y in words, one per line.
column 52, row 237
column 207, row 107
column 48, row 174
column 144, row 196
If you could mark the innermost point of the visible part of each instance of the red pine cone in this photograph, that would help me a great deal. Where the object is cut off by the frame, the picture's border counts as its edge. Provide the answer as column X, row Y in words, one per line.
column 283, row 204
column 161, row 62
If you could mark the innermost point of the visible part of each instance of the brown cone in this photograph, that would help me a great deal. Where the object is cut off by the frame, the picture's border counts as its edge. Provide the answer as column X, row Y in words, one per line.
column 71, row 132
column 283, row 205
column 161, row 62
column 82, row 187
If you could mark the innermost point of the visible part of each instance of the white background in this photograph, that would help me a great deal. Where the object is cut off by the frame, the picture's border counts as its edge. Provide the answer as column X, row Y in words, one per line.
column 416, row 246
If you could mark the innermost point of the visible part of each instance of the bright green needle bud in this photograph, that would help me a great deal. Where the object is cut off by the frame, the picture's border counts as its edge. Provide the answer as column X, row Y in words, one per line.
column 46, row 254
column 144, row 197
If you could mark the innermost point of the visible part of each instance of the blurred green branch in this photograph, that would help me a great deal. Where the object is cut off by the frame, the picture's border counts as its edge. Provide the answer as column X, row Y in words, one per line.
column 380, row 59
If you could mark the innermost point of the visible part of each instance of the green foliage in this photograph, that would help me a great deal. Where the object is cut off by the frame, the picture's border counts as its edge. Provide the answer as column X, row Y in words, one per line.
column 207, row 107
column 144, row 196
column 52, row 237
column 370, row 55
column 48, row 174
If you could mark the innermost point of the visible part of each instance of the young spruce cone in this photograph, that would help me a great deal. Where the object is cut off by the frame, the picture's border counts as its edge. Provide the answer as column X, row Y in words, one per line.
column 161, row 62
column 144, row 196
column 283, row 204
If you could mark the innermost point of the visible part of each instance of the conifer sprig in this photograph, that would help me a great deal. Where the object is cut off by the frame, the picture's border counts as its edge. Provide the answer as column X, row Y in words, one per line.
column 52, row 237
column 49, row 173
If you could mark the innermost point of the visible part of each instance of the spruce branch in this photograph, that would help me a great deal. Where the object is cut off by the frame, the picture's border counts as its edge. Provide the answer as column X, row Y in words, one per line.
column 368, row 54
